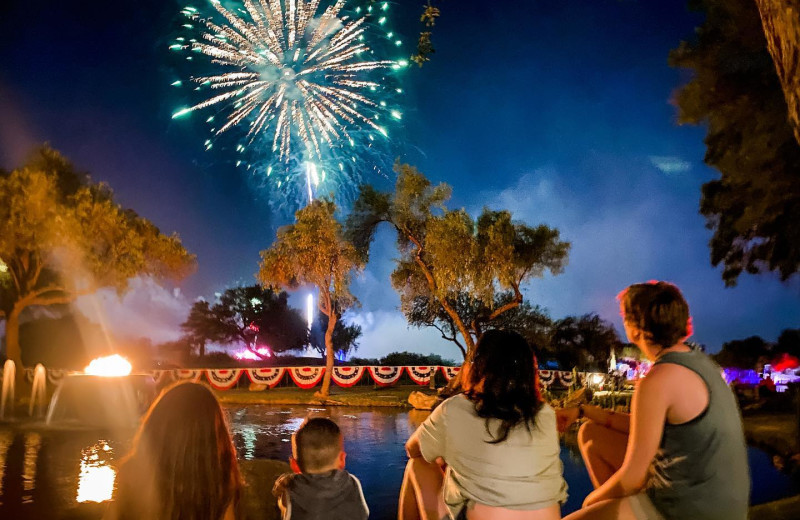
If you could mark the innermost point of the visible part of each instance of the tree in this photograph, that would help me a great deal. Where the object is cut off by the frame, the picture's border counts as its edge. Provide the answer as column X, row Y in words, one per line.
column 345, row 337
column 781, row 22
column 788, row 342
column 313, row 251
column 62, row 236
column 754, row 206
column 248, row 315
column 584, row 341
column 742, row 353
column 450, row 261
column 414, row 359
column 530, row 321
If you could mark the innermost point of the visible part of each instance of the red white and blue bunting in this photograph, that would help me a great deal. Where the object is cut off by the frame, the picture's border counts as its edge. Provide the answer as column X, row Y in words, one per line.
column 347, row 376
column 310, row 376
column 421, row 375
column 567, row 378
column 306, row 377
column 181, row 374
column 546, row 377
column 223, row 378
column 266, row 376
column 55, row 375
column 385, row 376
column 450, row 372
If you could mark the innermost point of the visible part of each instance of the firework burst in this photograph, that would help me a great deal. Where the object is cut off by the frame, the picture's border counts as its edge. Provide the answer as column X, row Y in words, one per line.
column 298, row 77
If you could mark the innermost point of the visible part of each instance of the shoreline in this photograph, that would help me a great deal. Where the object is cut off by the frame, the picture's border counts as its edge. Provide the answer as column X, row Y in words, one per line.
column 367, row 396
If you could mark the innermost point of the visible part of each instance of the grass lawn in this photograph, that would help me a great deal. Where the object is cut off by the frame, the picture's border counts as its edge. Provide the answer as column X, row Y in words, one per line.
column 776, row 432
column 394, row 396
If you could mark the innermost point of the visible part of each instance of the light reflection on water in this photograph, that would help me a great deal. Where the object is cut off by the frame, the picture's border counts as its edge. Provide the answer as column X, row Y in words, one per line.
column 96, row 478
column 33, row 442
column 5, row 442
column 48, row 470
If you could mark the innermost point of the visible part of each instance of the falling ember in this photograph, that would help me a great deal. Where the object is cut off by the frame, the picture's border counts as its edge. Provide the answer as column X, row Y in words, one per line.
column 109, row 366
column 310, row 310
column 311, row 178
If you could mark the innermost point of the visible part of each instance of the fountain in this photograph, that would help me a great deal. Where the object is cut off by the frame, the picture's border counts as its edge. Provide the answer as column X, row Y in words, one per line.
column 38, row 393
column 7, row 395
column 106, row 395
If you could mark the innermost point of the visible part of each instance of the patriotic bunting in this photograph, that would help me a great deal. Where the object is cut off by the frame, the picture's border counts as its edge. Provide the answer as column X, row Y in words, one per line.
column 546, row 377
column 223, row 379
column 266, row 376
column 385, row 376
column 309, row 377
column 55, row 375
column 567, row 378
column 420, row 375
column 306, row 377
column 450, row 372
column 347, row 376
column 181, row 374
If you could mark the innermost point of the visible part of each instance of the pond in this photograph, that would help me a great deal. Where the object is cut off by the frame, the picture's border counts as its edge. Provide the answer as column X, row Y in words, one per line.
column 51, row 473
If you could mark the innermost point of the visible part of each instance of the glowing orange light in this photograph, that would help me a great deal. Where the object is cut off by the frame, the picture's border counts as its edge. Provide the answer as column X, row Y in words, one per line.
column 109, row 366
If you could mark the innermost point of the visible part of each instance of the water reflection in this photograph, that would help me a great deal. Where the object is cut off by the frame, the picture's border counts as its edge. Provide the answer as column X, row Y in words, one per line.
column 6, row 438
column 52, row 473
column 97, row 476
column 33, row 442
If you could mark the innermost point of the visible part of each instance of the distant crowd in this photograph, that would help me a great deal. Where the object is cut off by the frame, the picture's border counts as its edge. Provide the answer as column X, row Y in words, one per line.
column 489, row 452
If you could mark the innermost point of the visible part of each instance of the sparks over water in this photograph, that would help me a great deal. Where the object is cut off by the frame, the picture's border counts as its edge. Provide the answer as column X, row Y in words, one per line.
column 301, row 73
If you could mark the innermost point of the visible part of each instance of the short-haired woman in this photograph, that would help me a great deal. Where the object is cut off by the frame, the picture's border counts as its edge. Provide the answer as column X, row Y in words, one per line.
column 498, row 440
column 681, row 453
column 183, row 462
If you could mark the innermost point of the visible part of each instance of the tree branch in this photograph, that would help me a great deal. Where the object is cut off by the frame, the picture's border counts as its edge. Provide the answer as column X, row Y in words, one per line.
column 452, row 338
column 508, row 306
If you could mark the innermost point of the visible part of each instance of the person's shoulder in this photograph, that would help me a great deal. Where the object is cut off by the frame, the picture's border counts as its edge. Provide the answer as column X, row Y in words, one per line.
column 459, row 403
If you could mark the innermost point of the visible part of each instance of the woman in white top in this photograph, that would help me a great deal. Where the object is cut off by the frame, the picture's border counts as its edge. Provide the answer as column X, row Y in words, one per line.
column 498, row 441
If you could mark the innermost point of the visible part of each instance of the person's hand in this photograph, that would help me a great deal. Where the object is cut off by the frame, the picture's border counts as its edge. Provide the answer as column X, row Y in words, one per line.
column 281, row 484
column 565, row 417
column 590, row 499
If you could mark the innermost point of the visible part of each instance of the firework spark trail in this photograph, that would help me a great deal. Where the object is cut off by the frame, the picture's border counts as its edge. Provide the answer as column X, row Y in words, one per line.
column 294, row 72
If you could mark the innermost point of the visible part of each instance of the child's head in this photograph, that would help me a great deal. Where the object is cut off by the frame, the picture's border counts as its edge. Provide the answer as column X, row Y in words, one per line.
column 317, row 446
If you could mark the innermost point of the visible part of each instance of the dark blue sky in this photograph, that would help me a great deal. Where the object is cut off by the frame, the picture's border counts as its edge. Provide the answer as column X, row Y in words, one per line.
column 556, row 110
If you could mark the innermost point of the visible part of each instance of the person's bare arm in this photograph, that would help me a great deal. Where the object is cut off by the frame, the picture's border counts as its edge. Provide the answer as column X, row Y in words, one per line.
column 412, row 446
column 614, row 420
column 649, row 411
column 618, row 421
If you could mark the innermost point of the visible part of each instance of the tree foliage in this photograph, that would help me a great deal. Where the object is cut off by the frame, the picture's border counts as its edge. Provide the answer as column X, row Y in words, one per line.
column 251, row 316
column 742, row 353
column 314, row 252
column 62, row 236
column 754, row 207
column 584, row 342
column 450, row 262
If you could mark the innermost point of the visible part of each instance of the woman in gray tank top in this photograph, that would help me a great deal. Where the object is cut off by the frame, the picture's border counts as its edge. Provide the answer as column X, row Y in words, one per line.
column 681, row 453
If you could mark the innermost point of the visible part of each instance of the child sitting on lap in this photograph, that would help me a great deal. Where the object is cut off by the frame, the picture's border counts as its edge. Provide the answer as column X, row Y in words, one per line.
column 320, row 488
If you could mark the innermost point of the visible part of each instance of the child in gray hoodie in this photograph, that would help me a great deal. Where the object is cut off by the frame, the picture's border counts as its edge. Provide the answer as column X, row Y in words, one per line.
column 319, row 488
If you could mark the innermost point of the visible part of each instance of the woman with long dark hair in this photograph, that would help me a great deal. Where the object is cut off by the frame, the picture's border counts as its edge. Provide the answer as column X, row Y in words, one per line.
column 183, row 462
column 497, row 439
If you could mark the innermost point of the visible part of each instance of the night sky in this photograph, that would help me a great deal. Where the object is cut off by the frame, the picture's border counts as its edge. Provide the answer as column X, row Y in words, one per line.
column 556, row 110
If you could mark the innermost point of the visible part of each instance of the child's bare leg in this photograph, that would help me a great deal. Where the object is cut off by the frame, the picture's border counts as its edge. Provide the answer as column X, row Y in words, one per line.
column 420, row 494
column 603, row 450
